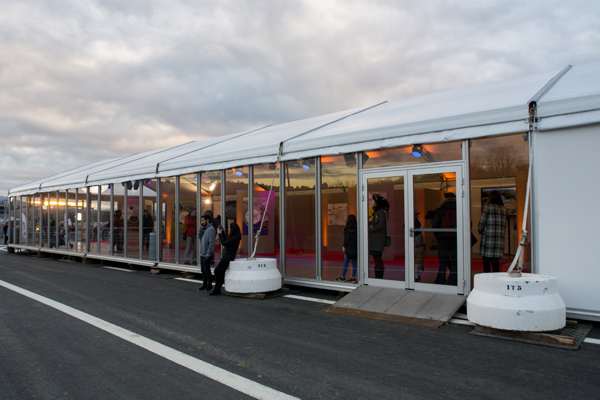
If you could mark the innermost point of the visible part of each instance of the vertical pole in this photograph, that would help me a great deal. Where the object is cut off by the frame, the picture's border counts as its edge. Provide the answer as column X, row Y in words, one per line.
column 111, row 222
column 125, row 224
column 318, row 219
column 466, row 221
column 176, row 219
column 87, row 220
column 251, row 209
column 198, row 215
column 56, row 218
column 158, row 220
column 361, row 269
column 282, row 224
column 141, row 209
column 98, row 218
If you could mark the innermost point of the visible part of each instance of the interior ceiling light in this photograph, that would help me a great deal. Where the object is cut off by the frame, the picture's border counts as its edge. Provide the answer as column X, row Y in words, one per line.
column 306, row 163
column 212, row 187
column 239, row 173
column 417, row 150
column 136, row 185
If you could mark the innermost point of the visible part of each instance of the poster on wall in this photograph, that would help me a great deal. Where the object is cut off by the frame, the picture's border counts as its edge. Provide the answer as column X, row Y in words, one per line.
column 260, row 203
column 337, row 213
column 509, row 198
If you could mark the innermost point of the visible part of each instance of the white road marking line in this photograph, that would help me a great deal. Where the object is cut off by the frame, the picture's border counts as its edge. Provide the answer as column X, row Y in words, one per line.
column 592, row 341
column 220, row 375
column 293, row 296
column 118, row 269
column 188, row 280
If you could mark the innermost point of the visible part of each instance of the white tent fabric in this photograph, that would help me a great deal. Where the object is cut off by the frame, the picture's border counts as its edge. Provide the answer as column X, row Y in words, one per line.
column 573, row 101
column 485, row 110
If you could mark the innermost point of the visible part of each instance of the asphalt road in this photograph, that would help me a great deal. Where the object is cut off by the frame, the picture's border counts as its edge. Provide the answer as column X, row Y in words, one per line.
column 285, row 344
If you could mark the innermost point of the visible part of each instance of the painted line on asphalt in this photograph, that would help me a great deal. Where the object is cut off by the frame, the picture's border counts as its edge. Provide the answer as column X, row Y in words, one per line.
column 592, row 341
column 215, row 373
column 118, row 269
column 188, row 280
column 293, row 296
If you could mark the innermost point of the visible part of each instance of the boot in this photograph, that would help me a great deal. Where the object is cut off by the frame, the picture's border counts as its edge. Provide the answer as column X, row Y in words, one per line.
column 379, row 273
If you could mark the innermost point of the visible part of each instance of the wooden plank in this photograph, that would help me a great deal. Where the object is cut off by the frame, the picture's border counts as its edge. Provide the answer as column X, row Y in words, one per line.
column 534, row 336
column 384, row 317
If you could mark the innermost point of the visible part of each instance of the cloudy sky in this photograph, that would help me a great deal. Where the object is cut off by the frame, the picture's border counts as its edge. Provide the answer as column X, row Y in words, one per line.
column 84, row 80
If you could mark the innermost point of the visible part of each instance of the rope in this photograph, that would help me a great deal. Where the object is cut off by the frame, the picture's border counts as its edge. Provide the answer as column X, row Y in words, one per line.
column 257, row 237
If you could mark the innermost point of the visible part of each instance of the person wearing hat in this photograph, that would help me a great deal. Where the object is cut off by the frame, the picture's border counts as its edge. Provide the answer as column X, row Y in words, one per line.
column 190, row 238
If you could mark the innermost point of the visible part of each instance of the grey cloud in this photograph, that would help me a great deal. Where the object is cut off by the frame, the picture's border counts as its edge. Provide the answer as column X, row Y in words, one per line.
column 82, row 81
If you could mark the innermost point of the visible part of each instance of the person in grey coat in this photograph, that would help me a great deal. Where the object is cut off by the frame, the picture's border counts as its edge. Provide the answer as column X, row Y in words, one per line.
column 492, row 227
column 207, row 236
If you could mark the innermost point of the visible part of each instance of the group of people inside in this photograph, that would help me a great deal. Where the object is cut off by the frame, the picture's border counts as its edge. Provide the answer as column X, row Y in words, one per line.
column 491, row 227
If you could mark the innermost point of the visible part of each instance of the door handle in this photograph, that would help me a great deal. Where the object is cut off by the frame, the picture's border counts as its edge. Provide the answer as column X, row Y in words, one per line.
column 412, row 232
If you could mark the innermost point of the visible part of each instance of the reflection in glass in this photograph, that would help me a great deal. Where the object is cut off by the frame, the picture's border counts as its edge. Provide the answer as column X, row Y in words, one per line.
column 118, row 220
column 81, row 227
column 169, row 219
column 188, row 219
column 94, row 225
column 149, row 218
column 499, row 164
column 407, row 155
column 105, row 219
column 386, row 218
column 236, row 203
column 435, row 207
column 52, row 202
column 268, row 244
column 300, row 215
column 211, row 202
column 338, row 202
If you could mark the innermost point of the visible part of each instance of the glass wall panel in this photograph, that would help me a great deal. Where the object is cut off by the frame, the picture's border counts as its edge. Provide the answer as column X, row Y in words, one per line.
column 390, row 262
column 211, row 201
column 498, row 169
column 70, row 221
column 236, row 203
column 132, row 218
column 413, row 154
column 34, row 215
column 61, row 205
column 44, row 220
column 187, row 219
column 338, row 206
column 95, row 226
column 53, row 210
column 169, row 219
column 80, row 221
column 30, row 213
column 149, row 219
column 118, row 219
column 19, row 221
column 105, row 219
column 268, row 244
column 300, row 215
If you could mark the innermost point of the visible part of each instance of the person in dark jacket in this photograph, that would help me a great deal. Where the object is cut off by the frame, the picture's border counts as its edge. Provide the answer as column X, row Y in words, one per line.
column 230, row 244
column 447, row 250
column 147, row 226
column 5, row 230
column 378, row 231
column 350, row 248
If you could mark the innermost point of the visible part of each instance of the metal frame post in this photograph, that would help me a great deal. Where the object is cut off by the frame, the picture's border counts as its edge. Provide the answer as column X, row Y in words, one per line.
column 158, row 220
column 125, row 224
column 282, row 194
column 318, row 220
column 112, row 218
column 176, row 219
column 141, row 208
column 251, row 210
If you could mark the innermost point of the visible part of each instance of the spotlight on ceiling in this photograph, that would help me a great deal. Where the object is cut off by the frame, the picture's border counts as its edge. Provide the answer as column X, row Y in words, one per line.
column 129, row 185
column 136, row 185
column 272, row 166
column 417, row 150
column 239, row 173
column 365, row 157
column 306, row 164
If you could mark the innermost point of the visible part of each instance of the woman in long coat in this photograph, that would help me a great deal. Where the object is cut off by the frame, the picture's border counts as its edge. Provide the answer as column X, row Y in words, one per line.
column 492, row 227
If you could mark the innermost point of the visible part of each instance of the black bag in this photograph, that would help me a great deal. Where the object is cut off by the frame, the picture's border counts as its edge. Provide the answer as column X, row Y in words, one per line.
column 388, row 241
column 388, row 238
column 184, row 236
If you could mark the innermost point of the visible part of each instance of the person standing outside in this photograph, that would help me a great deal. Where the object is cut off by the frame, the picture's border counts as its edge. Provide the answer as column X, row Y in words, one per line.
column 118, row 231
column 230, row 244
column 492, row 227
column 207, row 236
column 147, row 227
column 5, row 230
column 190, row 238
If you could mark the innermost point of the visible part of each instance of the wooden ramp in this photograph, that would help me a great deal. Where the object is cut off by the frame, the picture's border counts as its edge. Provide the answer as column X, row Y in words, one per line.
column 399, row 305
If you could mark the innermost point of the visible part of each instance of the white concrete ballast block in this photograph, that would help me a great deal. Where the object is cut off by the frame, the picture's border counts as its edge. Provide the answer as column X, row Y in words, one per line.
column 253, row 276
column 526, row 303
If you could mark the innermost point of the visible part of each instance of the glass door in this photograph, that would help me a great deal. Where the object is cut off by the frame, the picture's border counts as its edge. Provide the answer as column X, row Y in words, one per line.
column 435, row 237
column 382, row 228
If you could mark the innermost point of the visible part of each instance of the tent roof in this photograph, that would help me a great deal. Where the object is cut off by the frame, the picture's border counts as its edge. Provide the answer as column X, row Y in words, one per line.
column 484, row 110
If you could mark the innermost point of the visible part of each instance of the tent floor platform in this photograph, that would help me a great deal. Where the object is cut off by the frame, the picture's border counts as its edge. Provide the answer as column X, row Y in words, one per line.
column 399, row 305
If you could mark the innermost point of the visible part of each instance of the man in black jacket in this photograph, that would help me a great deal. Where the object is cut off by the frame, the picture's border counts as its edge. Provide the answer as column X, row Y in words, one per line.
column 148, row 226
column 445, row 217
